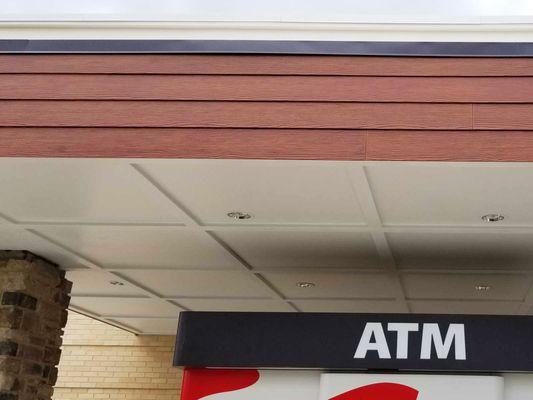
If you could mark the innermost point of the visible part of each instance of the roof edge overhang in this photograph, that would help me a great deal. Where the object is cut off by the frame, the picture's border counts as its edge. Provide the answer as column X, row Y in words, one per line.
column 512, row 38
column 296, row 47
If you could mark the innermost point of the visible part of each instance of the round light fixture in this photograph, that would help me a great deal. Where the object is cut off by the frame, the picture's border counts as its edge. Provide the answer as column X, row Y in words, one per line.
column 492, row 218
column 239, row 215
column 482, row 288
column 305, row 285
column 116, row 283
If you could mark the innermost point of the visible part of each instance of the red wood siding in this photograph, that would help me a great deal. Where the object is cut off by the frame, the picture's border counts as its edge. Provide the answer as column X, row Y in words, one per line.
column 265, row 65
column 267, row 88
column 267, row 107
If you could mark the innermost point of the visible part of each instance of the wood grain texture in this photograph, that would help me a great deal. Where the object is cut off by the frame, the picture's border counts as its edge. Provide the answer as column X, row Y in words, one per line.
column 265, row 65
column 483, row 146
column 235, row 114
column 182, row 143
column 456, row 146
column 503, row 116
column 267, row 107
column 266, row 88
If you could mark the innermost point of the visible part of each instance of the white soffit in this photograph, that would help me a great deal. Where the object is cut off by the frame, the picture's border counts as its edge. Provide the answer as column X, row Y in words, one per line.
column 351, row 20
column 151, row 238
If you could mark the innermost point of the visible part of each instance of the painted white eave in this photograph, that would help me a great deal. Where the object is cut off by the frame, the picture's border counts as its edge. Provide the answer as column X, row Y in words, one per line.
column 513, row 29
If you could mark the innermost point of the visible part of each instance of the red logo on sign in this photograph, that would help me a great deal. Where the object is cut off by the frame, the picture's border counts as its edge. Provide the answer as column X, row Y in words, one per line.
column 199, row 383
column 380, row 391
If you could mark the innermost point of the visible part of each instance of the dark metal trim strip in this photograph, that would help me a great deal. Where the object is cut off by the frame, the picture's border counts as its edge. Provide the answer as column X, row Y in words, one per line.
column 428, row 49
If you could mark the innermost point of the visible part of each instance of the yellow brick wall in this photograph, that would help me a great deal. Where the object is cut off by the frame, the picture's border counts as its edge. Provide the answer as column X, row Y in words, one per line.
column 103, row 362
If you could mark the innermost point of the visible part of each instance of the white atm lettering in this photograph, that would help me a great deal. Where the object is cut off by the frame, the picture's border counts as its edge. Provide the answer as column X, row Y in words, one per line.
column 373, row 329
column 402, row 333
column 431, row 335
column 374, row 339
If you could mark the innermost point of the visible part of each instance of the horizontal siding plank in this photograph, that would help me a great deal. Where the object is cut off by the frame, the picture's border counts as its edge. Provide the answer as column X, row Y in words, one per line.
column 265, row 65
column 265, row 88
column 235, row 114
column 453, row 146
column 503, row 116
column 479, row 146
column 183, row 143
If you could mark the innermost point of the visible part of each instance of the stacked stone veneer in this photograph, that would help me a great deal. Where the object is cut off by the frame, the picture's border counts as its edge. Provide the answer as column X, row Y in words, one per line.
column 34, row 295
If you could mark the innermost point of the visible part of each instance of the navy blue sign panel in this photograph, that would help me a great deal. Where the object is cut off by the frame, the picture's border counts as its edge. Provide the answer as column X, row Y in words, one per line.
column 355, row 341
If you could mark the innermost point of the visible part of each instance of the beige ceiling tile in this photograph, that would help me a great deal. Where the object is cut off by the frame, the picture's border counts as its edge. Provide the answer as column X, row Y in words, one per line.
column 16, row 238
column 95, row 283
column 199, row 283
column 464, row 307
column 264, row 249
column 126, row 247
column 349, row 306
column 272, row 191
column 331, row 284
column 452, row 194
column 244, row 305
column 463, row 286
column 462, row 250
column 68, row 190
column 116, row 306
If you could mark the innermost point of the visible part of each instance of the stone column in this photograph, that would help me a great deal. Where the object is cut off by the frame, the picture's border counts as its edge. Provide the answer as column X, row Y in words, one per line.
column 34, row 296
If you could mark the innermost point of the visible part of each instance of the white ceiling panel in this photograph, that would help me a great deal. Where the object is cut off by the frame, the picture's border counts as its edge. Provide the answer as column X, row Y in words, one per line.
column 198, row 283
column 464, row 307
column 264, row 249
column 250, row 305
column 119, row 306
column 273, row 192
column 463, row 286
column 430, row 249
column 349, row 306
column 425, row 193
column 462, row 250
column 95, row 283
column 83, row 191
column 331, row 285
column 157, row 326
column 15, row 238
column 124, row 247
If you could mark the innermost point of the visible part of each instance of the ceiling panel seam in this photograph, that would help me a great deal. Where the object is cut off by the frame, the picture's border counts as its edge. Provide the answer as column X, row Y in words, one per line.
column 97, row 267
column 193, row 222
column 363, row 193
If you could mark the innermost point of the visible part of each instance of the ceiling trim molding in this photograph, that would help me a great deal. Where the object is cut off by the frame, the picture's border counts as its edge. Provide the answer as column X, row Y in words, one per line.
column 384, row 28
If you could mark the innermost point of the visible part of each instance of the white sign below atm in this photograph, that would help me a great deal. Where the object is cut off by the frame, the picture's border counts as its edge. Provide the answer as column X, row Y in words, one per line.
column 227, row 384
column 409, row 387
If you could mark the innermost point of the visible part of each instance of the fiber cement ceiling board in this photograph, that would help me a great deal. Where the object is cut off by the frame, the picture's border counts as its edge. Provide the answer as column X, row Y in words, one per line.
column 463, row 248
column 90, row 283
column 141, row 246
column 72, row 190
column 348, row 306
column 420, row 198
column 450, row 286
column 125, row 306
column 288, row 193
column 265, row 249
column 465, row 307
column 409, row 242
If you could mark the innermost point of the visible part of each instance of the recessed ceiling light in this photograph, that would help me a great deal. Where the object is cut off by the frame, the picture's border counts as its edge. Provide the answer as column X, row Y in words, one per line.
column 305, row 285
column 482, row 288
column 239, row 215
column 116, row 283
column 492, row 218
